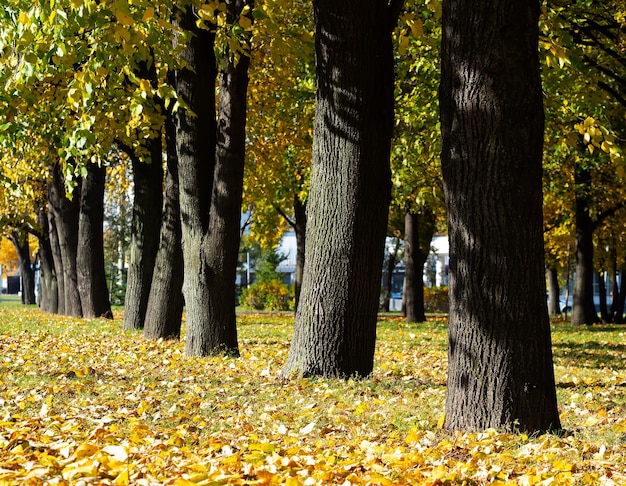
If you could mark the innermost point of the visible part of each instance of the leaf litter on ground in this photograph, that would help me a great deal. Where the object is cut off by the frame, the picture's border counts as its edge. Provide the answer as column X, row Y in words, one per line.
column 83, row 402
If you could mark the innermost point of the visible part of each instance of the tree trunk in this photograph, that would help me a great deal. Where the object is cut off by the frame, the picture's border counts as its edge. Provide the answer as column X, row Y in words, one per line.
column 419, row 229
column 500, row 371
column 583, row 307
column 604, row 310
column 57, row 259
column 554, row 306
column 335, row 326
column 144, row 240
column 621, row 300
column 49, row 301
column 392, row 261
column 299, row 211
column 27, row 275
column 91, row 276
column 195, row 147
column 165, row 304
column 65, row 213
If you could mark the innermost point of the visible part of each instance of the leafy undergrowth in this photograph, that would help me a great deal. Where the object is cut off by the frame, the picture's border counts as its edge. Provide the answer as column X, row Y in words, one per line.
column 82, row 402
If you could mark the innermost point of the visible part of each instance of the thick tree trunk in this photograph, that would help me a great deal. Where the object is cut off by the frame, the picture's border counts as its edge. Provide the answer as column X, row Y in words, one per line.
column 583, row 307
column 27, row 274
column 55, row 246
column 49, row 301
column 165, row 304
column 335, row 328
column 91, row 276
column 144, row 240
column 195, row 147
column 500, row 370
column 65, row 214
column 554, row 306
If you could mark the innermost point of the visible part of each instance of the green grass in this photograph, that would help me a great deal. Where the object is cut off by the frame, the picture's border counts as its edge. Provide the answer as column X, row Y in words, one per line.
column 71, row 389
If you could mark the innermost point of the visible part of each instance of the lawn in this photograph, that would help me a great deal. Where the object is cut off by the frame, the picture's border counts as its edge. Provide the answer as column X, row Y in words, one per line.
column 83, row 402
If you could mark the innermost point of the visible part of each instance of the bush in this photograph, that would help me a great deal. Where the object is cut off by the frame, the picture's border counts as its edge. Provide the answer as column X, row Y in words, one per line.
column 436, row 299
column 273, row 295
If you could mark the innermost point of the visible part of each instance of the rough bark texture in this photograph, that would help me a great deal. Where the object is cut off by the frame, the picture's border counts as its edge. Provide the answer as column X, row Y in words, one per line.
column 335, row 328
column 500, row 370
column 49, row 301
column 195, row 146
column 165, row 304
column 91, row 275
column 583, row 308
column 65, row 213
column 554, row 306
column 22, row 248
column 144, row 242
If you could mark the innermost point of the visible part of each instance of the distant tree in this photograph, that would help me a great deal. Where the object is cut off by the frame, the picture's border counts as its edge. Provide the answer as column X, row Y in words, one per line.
column 19, row 238
column 335, row 328
column 500, row 359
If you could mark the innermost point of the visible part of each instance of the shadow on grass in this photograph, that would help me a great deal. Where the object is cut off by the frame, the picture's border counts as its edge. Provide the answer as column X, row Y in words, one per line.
column 592, row 354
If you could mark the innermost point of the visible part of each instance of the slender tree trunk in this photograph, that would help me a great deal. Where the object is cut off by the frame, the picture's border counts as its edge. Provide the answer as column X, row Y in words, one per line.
column 583, row 307
column 621, row 300
column 55, row 247
column 419, row 229
column 65, row 213
column 604, row 310
column 165, row 304
column 49, row 301
column 392, row 261
column 335, row 328
column 299, row 210
column 413, row 280
column 144, row 242
column 614, row 285
column 27, row 274
column 554, row 307
column 500, row 359
column 91, row 275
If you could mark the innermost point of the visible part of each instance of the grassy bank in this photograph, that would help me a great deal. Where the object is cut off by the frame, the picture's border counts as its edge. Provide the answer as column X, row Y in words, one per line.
column 83, row 401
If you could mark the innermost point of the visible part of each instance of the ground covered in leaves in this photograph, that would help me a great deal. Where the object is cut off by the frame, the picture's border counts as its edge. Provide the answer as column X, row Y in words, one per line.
column 83, row 402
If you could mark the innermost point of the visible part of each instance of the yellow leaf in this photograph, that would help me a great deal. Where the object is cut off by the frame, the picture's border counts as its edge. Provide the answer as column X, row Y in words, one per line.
column 307, row 429
column 417, row 28
column 561, row 465
column 245, row 22
column 148, row 14
column 441, row 421
column 124, row 19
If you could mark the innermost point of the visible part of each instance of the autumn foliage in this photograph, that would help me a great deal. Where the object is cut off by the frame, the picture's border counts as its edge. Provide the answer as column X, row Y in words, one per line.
column 83, row 403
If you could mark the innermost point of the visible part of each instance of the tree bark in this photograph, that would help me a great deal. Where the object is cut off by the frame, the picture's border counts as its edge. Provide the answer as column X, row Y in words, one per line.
column 19, row 238
column 65, row 214
column 165, row 304
column 196, row 139
column 144, row 240
column 500, row 359
column 554, row 306
column 335, row 326
column 91, row 275
column 583, row 307
column 49, row 287
column 57, row 259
